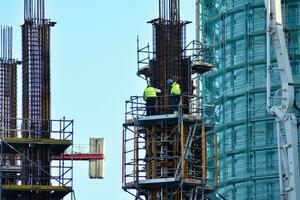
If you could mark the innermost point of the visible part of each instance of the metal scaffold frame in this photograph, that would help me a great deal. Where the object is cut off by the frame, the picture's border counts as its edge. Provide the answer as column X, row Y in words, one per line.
column 164, row 155
column 15, row 184
column 153, row 162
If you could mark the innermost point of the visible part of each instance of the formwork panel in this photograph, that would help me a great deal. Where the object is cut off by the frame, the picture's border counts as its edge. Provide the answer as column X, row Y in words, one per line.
column 96, row 167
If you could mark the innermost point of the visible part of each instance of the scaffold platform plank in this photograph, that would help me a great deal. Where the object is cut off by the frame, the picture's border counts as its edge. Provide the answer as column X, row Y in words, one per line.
column 57, row 146
column 56, row 191
column 36, row 188
column 160, row 118
column 201, row 67
column 162, row 181
column 144, row 71
column 169, row 181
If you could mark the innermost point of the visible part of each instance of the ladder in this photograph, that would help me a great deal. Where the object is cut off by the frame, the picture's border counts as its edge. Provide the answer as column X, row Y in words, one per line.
column 187, row 149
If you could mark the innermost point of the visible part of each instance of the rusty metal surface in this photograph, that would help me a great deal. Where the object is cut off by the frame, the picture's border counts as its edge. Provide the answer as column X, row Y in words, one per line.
column 36, row 94
column 8, row 83
column 8, row 97
column 169, row 61
column 36, row 75
column 8, row 94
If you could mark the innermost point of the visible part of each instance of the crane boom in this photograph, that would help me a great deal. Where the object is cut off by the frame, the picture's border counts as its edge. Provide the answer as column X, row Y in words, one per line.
column 287, row 129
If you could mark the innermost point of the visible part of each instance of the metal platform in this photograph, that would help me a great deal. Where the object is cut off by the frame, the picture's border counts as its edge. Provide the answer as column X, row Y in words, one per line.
column 201, row 67
column 55, row 145
column 167, row 118
column 163, row 181
column 51, row 181
column 145, row 71
column 57, row 192
column 151, row 119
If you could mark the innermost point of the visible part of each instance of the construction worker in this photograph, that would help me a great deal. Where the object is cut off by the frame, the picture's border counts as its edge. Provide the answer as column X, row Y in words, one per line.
column 175, row 94
column 150, row 98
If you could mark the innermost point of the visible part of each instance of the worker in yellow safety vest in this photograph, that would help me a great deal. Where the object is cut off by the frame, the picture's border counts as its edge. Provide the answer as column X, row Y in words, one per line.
column 150, row 98
column 175, row 94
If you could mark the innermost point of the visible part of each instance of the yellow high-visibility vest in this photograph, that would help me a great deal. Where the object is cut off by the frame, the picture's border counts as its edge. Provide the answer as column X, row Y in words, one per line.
column 149, row 92
column 175, row 90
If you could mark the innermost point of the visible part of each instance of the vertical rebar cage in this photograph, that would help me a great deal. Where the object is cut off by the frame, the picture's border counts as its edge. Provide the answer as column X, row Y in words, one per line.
column 8, row 83
column 8, row 93
column 169, row 41
column 246, row 134
column 36, row 90
column 36, row 68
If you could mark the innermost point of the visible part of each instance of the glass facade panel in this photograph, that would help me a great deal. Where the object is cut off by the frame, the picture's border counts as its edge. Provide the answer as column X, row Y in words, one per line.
column 247, row 149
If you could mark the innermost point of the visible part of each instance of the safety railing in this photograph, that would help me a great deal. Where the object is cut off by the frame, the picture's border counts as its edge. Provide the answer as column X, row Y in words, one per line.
column 38, row 128
column 136, row 161
column 136, row 106
column 54, row 175
column 14, row 160
column 199, row 51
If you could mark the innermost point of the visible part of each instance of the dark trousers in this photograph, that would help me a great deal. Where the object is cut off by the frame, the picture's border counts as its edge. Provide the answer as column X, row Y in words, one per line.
column 151, row 106
column 174, row 102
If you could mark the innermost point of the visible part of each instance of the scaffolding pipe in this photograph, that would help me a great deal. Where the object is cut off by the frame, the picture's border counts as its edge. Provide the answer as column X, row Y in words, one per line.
column 198, row 38
column 268, row 56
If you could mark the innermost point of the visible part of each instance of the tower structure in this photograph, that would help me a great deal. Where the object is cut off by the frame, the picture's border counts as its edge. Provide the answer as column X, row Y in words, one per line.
column 8, row 83
column 36, row 86
column 247, row 143
column 35, row 139
column 164, row 154
column 8, row 100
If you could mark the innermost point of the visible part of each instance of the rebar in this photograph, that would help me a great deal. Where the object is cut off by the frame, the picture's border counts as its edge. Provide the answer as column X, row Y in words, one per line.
column 165, row 148
column 8, row 86
column 36, row 93
column 8, row 95
column 169, row 62
column 169, row 10
column 34, row 9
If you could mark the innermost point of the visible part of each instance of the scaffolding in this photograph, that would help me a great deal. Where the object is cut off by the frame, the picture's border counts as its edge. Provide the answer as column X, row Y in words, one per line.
column 15, row 183
column 163, row 156
column 30, row 144
column 244, row 140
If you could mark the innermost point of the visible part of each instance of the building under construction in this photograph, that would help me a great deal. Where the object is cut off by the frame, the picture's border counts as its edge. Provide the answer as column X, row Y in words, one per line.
column 239, row 140
column 164, row 154
column 29, row 144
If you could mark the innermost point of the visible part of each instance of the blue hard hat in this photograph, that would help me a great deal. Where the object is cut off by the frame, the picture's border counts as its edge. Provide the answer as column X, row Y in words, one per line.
column 169, row 81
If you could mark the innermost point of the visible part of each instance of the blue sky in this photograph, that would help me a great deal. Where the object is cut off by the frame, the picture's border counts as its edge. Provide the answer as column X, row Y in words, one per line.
column 93, row 67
